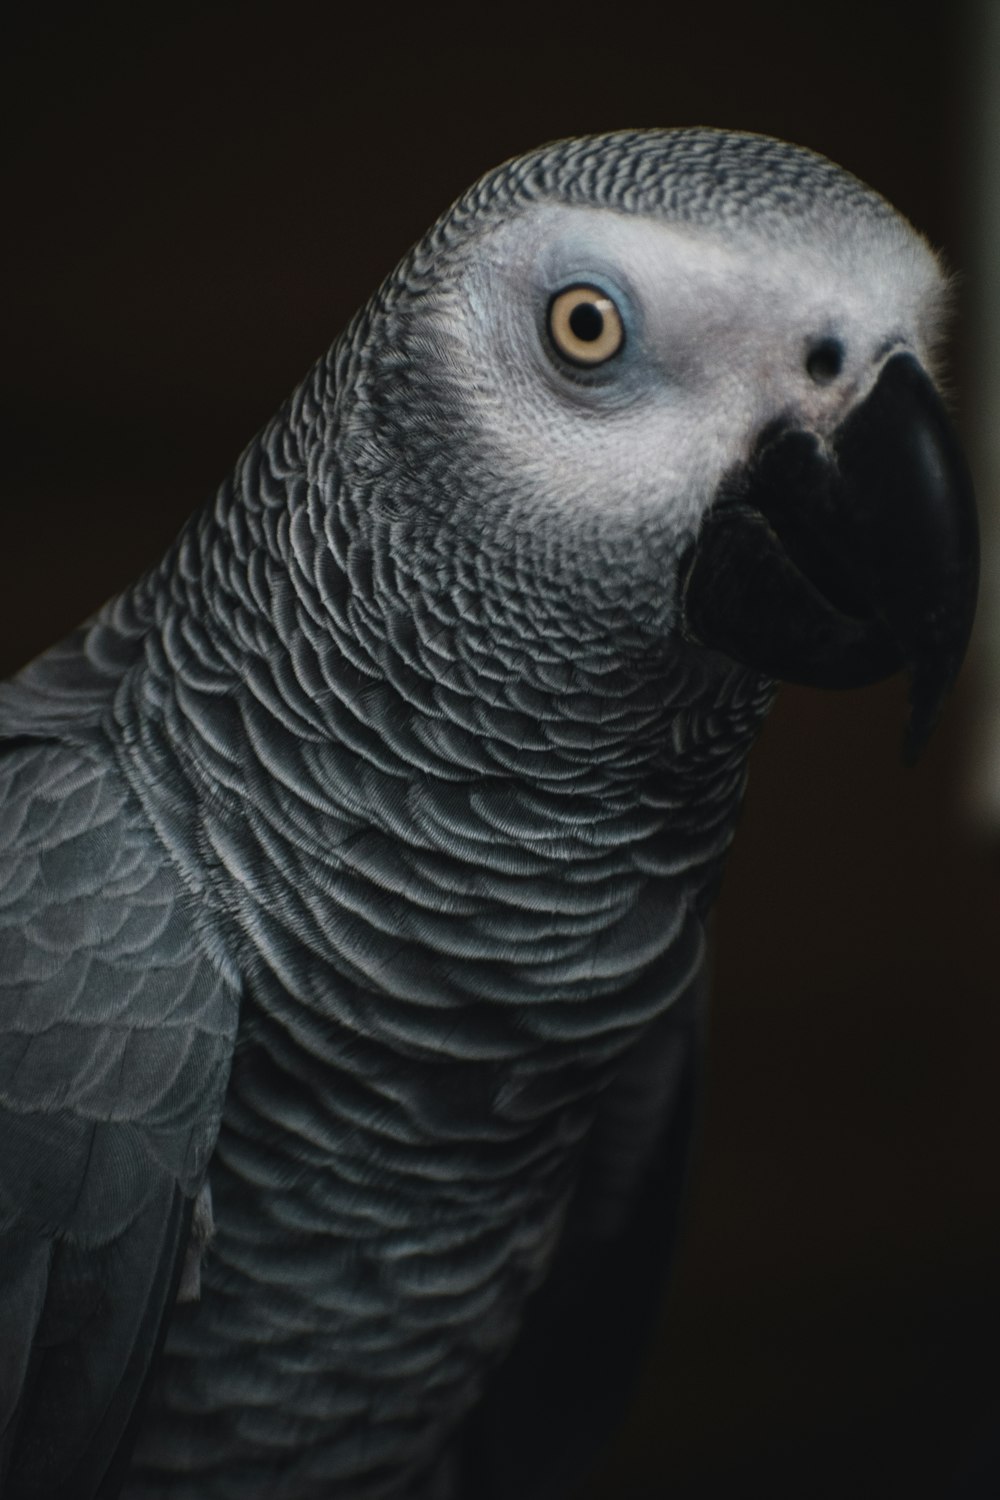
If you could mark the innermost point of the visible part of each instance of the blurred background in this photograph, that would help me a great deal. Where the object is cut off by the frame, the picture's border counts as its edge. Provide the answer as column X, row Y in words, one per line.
column 195, row 203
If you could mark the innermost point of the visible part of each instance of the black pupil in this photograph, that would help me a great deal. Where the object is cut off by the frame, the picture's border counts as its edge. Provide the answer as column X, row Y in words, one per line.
column 587, row 322
column 825, row 360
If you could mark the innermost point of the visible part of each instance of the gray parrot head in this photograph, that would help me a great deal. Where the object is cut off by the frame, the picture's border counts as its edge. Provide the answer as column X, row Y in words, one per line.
column 670, row 390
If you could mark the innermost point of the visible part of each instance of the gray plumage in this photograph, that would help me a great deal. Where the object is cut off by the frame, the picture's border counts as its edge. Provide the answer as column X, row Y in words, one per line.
column 355, row 863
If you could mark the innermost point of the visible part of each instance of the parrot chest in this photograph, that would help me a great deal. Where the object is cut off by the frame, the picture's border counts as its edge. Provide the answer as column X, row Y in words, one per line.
column 438, row 983
column 369, row 1265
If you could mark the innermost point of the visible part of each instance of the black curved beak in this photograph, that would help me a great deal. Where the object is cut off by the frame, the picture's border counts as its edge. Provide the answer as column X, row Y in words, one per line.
column 836, row 566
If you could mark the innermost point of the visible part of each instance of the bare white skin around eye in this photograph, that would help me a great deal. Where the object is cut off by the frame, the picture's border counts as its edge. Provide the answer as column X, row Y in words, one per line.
column 717, row 327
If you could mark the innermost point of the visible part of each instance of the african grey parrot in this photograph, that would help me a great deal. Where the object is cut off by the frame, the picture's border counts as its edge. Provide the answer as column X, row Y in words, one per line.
column 355, row 863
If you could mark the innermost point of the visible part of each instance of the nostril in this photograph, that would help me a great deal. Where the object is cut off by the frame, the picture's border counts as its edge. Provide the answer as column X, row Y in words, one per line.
column 825, row 360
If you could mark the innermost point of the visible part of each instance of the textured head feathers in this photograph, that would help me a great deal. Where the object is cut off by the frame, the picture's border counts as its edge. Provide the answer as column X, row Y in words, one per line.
column 730, row 257
column 692, row 176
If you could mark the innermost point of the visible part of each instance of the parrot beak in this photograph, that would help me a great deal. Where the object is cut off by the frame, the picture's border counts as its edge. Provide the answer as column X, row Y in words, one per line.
column 838, row 564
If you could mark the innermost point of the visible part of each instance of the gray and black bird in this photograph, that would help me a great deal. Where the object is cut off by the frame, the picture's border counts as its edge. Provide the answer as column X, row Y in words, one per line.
column 355, row 863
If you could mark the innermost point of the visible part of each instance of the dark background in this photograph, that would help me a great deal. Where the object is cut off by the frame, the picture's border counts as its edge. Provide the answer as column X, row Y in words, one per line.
column 194, row 205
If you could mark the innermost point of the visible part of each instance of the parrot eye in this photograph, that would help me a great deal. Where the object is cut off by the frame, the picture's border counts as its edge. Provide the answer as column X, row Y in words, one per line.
column 585, row 325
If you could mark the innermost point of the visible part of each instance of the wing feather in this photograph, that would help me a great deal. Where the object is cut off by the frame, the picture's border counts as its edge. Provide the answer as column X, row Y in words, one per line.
column 115, row 1039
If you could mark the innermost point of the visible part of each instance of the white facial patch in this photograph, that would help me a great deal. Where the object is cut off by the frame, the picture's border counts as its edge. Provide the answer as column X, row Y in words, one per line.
column 719, row 323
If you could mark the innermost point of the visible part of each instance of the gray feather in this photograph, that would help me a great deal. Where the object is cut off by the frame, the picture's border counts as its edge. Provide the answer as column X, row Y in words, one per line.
column 355, row 864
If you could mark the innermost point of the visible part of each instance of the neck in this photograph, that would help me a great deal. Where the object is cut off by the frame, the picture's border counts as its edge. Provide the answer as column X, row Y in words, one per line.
column 439, row 784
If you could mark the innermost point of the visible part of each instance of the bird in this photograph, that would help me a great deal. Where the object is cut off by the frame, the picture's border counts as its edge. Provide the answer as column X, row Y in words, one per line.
column 356, row 861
